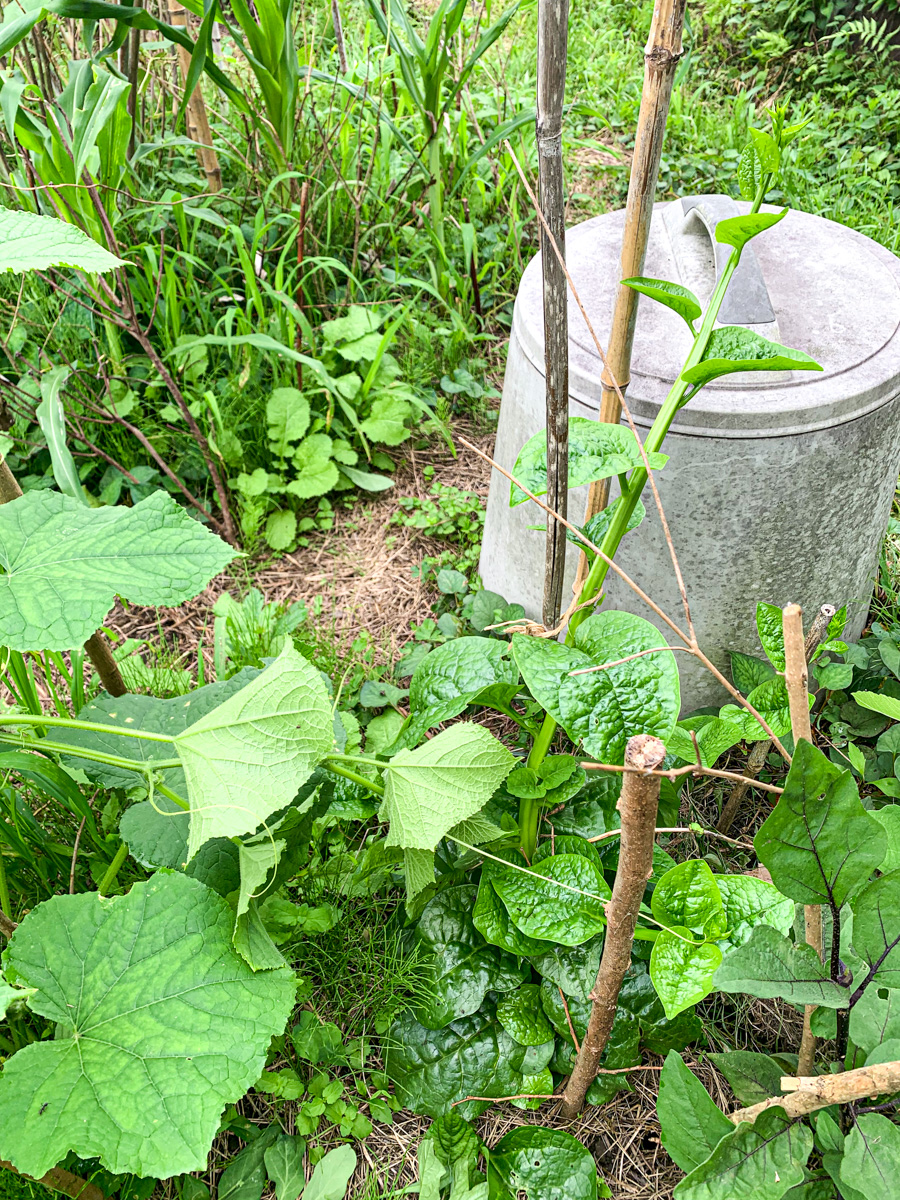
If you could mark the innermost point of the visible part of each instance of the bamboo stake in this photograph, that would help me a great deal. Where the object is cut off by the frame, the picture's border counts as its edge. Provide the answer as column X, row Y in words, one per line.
column 96, row 646
column 810, row 1093
column 661, row 56
column 197, row 119
column 553, row 34
column 796, row 679
column 637, row 805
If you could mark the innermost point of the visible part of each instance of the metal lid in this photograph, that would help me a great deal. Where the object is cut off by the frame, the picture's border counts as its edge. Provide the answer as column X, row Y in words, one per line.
column 811, row 284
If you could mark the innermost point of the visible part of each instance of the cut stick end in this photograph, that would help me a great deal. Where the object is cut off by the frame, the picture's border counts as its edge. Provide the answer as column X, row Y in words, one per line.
column 644, row 753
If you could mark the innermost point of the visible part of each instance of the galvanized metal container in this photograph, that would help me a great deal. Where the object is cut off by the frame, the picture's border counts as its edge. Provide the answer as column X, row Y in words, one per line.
column 779, row 486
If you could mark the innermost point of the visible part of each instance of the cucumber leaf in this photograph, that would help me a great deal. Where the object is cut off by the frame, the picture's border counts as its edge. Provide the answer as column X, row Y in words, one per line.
column 167, row 1026
column 64, row 564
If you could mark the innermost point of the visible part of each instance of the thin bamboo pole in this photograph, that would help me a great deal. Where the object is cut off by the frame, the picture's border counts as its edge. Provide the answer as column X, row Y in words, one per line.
column 197, row 120
column 661, row 57
column 553, row 35
column 796, row 678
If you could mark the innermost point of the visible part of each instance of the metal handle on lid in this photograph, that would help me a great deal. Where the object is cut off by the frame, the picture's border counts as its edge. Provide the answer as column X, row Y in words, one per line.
column 747, row 299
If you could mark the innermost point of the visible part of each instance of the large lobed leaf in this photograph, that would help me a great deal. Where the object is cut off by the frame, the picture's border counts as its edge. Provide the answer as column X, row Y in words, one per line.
column 31, row 242
column 246, row 759
column 167, row 1026
column 64, row 564
column 430, row 790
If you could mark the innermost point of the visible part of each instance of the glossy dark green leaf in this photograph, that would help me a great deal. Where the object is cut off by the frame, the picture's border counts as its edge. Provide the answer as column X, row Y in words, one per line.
column 690, row 1123
column 567, row 844
column 597, row 450
column 631, row 698
column 748, row 673
column 760, row 1160
column 770, row 965
column 714, row 737
column 541, row 1164
column 688, row 896
column 682, row 972
column 455, row 1141
column 572, row 968
column 737, row 231
column 750, row 902
column 876, row 928
column 491, row 918
column 770, row 627
column 462, row 967
column 432, row 1069
column 523, row 1017
column 560, row 899
column 819, row 844
column 680, row 299
column 732, row 349
column 464, row 671
column 659, row 1034
column 751, row 1076
column 770, row 699
column 871, row 1162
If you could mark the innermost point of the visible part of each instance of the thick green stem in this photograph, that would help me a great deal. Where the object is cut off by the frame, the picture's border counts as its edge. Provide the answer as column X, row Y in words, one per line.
column 109, row 760
column 113, row 870
column 89, row 726
column 377, row 788
column 5, row 905
column 677, row 397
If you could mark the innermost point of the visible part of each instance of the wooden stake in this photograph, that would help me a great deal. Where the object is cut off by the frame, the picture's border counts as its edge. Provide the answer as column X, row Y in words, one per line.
column 197, row 120
column 661, row 57
column 60, row 1180
column 796, row 678
column 637, row 806
column 553, row 35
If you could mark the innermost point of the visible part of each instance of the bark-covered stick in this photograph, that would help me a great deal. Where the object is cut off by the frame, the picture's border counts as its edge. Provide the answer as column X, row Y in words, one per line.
column 796, row 678
column 637, row 808
column 810, row 1093
column 553, row 35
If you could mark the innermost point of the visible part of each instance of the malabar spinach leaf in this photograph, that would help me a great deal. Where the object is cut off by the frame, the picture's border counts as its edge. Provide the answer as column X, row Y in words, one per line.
column 596, row 451
column 541, row 1164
